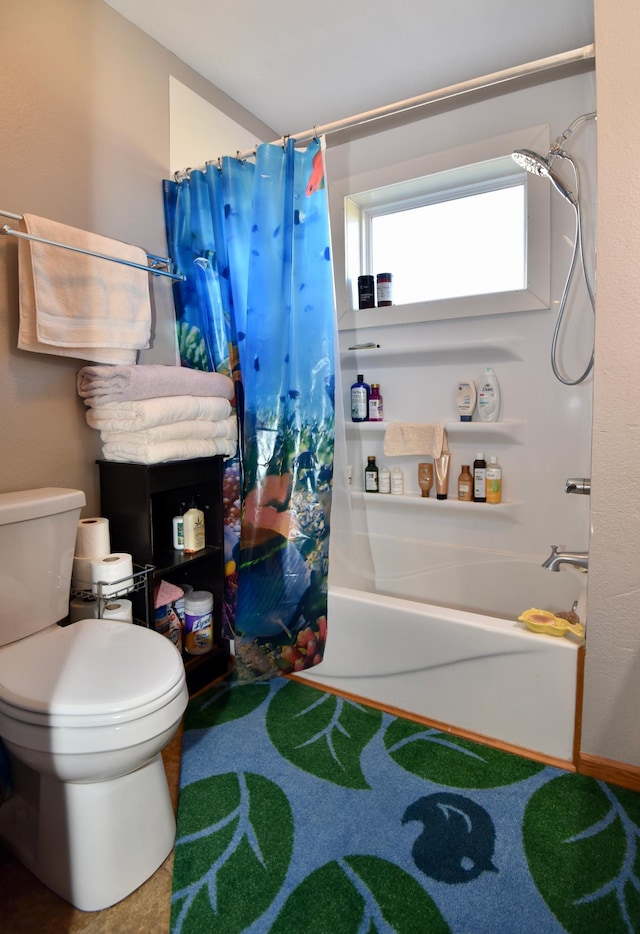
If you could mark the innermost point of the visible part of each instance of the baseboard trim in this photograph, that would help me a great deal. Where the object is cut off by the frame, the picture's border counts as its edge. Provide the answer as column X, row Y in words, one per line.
column 443, row 727
column 607, row 770
column 610, row 771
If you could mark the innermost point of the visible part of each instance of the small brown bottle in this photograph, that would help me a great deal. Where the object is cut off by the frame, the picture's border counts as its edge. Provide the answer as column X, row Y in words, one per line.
column 465, row 485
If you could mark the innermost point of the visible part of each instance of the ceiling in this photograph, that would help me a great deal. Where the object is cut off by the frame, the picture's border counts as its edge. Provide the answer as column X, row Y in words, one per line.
column 296, row 64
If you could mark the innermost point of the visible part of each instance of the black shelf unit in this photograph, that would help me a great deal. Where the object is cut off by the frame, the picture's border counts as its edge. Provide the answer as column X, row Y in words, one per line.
column 140, row 501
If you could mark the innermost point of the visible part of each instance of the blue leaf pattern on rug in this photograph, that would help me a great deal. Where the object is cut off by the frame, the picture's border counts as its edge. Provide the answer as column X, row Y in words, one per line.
column 301, row 811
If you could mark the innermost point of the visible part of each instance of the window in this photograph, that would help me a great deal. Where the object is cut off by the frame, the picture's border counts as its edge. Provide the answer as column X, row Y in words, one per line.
column 468, row 245
column 471, row 238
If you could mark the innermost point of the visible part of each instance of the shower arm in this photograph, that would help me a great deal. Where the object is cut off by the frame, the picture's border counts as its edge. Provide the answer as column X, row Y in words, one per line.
column 559, row 141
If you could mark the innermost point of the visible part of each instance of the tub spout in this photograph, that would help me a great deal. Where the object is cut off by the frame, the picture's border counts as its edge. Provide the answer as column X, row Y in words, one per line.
column 577, row 559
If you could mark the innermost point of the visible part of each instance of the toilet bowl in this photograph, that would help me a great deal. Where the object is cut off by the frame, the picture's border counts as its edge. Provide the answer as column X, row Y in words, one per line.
column 85, row 711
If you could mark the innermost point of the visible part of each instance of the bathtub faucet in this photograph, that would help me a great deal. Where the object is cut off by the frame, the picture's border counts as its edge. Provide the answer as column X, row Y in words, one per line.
column 578, row 559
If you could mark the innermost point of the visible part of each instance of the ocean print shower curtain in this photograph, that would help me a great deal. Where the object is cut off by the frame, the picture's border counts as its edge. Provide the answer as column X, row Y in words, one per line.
column 252, row 239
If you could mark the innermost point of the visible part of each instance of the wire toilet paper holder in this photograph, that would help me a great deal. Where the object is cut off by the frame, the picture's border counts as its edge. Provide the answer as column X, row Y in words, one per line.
column 108, row 591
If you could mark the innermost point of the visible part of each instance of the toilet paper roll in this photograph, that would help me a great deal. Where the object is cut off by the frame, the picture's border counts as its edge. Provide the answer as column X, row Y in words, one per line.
column 114, row 573
column 83, row 608
column 92, row 538
column 118, row 609
column 81, row 573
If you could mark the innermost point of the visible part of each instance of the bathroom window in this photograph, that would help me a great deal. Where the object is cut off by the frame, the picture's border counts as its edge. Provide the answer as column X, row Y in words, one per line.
column 450, row 244
column 469, row 239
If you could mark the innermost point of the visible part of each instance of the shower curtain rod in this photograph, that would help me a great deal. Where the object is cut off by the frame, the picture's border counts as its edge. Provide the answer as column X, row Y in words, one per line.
column 562, row 59
column 76, row 249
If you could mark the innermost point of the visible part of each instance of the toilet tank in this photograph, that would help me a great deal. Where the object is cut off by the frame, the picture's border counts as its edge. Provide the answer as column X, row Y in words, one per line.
column 37, row 541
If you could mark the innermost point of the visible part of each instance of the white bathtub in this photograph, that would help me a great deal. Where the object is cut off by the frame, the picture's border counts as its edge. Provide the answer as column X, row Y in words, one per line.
column 475, row 672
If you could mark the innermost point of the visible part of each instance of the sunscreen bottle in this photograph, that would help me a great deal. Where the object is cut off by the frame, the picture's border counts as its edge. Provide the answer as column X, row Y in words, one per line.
column 488, row 397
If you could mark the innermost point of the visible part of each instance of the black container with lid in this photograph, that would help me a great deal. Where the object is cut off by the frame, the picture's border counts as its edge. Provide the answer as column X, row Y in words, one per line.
column 366, row 292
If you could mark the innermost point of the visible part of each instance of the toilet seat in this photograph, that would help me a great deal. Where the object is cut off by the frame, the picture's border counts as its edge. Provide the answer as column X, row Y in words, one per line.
column 93, row 673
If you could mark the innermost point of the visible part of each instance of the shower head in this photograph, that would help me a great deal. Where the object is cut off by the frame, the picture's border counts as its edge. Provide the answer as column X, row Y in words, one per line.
column 536, row 164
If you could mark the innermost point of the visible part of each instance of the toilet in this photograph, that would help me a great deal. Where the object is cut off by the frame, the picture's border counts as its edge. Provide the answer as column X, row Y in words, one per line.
column 85, row 711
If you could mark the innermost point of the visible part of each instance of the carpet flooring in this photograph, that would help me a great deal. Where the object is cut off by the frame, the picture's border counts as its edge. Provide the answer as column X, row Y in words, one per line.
column 301, row 812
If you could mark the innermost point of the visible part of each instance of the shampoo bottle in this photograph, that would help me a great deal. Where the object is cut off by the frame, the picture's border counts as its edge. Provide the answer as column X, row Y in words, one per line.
column 375, row 404
column 489, row 397
column 360, row 392
column 371, row 481
column 465, row 485
column 193, row 528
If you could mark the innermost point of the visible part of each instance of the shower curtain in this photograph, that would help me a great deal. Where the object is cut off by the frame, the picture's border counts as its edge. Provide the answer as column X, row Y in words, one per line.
column 252, row 239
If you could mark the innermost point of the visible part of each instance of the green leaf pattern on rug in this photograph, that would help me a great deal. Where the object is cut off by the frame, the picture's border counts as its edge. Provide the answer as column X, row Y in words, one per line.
column 358, row 894
column 451, row 760
column 322, row 733
column 582, row 840
column 229, row 863
column 224, row 702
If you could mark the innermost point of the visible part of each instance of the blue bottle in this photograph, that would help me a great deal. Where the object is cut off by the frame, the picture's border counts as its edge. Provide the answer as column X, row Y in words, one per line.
column 360, row 392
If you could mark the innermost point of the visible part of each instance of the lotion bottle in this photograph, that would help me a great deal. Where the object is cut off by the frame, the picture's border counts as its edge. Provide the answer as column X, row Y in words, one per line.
column 178, row 530
column 466, row 396
column 489, row 397
column 193, row 529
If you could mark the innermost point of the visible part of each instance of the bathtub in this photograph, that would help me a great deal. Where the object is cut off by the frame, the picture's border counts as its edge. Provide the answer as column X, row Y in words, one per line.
column 477, row 672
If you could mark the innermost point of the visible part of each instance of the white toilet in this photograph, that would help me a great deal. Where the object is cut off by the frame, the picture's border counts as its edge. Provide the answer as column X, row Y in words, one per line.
column 85, row 711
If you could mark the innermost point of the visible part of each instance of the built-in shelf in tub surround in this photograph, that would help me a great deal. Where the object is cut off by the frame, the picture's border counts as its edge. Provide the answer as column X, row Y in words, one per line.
column 387, row 354
column 510, row 430
column 383, row 500
column 445, row 309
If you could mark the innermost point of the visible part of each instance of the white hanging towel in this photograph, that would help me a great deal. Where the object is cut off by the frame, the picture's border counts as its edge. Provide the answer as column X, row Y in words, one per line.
column 414, row 438
column 77, row 305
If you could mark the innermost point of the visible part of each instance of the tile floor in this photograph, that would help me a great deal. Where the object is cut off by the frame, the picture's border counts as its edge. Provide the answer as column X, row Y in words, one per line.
column 28, row 907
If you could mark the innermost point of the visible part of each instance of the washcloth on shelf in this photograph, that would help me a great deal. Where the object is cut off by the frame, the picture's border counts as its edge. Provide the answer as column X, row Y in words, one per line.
column 76, row 305
column 203, row 429
column 147, row 413
column 105, row 385
column 408, row 438
column 158, row 452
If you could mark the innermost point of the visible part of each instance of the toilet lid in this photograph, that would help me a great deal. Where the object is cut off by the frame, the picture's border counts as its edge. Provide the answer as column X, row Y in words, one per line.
column 94, row 669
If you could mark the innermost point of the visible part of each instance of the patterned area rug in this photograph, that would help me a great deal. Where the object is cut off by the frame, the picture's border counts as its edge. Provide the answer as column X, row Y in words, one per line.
column 305, row 813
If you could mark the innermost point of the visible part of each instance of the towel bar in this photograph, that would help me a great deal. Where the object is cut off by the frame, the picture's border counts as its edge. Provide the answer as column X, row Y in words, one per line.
column 113, row 259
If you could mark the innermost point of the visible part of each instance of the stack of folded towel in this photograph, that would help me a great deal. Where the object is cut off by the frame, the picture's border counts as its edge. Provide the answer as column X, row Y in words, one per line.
column 152, row 414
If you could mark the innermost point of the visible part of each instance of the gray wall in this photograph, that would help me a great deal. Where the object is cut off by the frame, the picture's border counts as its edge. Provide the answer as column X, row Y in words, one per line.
column 84, row 124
